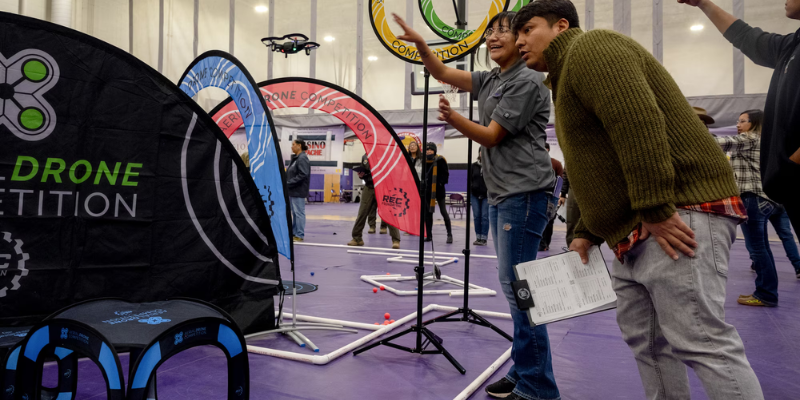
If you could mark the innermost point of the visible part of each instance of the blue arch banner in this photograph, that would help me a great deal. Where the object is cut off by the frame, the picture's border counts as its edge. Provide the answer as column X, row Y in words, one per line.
column 221, row 70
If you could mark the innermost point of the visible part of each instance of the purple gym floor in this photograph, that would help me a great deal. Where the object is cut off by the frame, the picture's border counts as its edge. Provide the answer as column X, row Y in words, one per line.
column 590, row 359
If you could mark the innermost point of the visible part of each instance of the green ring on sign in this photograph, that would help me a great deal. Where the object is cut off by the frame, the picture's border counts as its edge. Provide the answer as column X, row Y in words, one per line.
column 34, row 70
column 448, row 32
column 31, row 119
column 447, row 53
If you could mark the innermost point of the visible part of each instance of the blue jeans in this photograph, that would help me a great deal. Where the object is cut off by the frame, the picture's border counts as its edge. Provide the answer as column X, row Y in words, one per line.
column 517, row 224
column 298, row 216
column 756, row 239
column 780, row 221
column 480, row 213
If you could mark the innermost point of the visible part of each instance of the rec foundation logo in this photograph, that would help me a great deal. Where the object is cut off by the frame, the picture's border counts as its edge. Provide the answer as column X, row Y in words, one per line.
column 523, row 294
column 396, row 200
column 24, row 79
column 12, row 263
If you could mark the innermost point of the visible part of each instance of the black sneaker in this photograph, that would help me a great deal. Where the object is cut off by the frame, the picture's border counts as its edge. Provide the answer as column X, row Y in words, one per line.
column 514, row 396
column 449, row 238
column 477, row 242
column 502, row 389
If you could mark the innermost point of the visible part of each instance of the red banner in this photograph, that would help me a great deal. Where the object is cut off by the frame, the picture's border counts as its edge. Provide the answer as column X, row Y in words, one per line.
column 395, row 184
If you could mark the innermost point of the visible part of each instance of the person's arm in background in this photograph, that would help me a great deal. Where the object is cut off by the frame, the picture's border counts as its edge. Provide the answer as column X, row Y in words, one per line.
column 737, row 143
column 795, row 157
column 439, row 71
column 444, row 172
column 762, row 48
column 564, row 190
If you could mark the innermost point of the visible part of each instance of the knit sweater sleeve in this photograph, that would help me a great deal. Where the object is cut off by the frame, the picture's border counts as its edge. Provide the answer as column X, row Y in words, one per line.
column 609, row 79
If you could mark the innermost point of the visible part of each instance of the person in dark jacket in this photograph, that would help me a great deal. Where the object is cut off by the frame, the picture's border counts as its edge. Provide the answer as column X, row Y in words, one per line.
column 480, row 204
column 780, row 134
column 368, row 208
column 438, row 174
column 547, row 235
column 573, row 212
column 298, row 178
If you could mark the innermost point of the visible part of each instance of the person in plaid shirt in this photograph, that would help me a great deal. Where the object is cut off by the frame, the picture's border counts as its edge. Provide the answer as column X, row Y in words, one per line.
column 745, row 150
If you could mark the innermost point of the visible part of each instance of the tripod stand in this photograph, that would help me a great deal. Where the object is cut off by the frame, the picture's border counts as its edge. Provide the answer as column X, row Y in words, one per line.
column 419, row 329
column 293, row 331
column 466, row 314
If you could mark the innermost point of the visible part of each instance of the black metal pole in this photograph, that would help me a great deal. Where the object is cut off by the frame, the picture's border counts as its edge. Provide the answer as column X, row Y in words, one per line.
column 467, row 250
column 420, row 270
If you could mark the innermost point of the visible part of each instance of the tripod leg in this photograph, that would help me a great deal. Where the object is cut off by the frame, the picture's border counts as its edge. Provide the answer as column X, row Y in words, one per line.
column 444, row 351
column 383, row 341
column 486, row 323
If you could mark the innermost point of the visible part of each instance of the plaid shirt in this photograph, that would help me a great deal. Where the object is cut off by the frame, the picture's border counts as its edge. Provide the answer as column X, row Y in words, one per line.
column 745, row 152
column 730, row 207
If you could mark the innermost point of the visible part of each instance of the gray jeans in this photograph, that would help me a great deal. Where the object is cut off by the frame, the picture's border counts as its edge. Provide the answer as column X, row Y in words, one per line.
column 672, row 314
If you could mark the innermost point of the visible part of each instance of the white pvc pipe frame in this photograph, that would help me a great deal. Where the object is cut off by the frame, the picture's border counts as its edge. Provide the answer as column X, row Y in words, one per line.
column 475, row 290
column 379, row 330
column 343, row 246
column 399, row 257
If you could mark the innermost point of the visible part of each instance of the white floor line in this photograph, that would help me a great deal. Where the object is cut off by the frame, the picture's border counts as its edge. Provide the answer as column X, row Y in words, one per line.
column 483, row 377
column 381, row 280
column 344, row 246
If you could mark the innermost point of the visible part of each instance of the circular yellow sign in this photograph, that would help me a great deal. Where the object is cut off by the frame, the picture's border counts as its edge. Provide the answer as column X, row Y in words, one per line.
column 446, row 53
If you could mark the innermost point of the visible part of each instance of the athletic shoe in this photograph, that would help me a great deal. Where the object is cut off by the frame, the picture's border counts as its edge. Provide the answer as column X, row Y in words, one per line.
column 501, row 389
column 483, row 242
column 428, row 239
column 383, row 231
column 752, row 301
column 371, row 230
column 395, row 244
column 744, row 296
column 297, row 239
column 514, row 396
column 449, row 238
column 798, row 274
column 355, row 242
column 477, row 242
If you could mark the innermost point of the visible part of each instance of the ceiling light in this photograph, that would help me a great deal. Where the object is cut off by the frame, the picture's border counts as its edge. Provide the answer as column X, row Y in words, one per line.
column 329, row 38
column 262, row 9
column 697, row 27
column 372, row 58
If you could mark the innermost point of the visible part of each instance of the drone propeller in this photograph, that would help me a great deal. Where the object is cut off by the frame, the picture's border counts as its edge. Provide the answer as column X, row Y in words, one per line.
column 295, row 37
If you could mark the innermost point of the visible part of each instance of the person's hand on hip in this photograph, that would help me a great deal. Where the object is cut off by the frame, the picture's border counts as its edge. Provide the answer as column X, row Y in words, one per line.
column 671, row 234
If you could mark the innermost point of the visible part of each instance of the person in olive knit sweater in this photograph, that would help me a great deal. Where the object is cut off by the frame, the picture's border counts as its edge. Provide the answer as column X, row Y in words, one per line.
column 646, row 190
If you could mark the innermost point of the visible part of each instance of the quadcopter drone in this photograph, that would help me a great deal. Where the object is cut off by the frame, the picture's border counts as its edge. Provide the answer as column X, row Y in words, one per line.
column 296, row 43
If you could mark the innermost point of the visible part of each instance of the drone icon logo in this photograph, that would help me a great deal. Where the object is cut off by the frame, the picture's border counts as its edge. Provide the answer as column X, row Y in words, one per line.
column 28, row 75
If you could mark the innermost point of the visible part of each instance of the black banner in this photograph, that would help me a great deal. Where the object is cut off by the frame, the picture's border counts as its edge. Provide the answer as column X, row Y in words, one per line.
column 114, row 183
